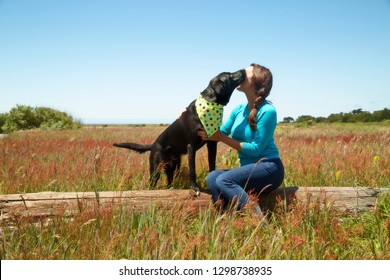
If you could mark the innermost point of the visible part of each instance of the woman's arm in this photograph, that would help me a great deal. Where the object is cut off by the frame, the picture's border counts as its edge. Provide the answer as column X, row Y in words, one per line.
column 266, row 123
column 220, row 137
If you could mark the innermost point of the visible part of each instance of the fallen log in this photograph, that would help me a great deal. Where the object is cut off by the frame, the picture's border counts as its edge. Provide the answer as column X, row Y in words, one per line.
column 49, row 204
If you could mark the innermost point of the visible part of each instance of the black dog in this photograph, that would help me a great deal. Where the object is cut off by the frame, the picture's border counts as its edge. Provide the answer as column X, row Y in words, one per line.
column 181, row 136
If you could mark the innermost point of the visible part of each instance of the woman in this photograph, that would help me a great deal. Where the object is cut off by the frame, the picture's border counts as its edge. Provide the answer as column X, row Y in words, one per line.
column 251, row 127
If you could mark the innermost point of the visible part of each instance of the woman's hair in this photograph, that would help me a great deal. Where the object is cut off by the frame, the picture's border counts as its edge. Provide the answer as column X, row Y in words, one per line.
column 262, row 81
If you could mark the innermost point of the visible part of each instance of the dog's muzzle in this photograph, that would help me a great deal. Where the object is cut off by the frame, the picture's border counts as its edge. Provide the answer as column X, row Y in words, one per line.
column 239, row 76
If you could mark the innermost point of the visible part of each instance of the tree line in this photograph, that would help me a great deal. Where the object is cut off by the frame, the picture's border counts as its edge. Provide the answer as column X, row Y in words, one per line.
column 26, row 117
column 354, row 116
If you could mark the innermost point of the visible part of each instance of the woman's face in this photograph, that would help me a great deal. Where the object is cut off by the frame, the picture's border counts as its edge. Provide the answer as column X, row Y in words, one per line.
column 247, row 84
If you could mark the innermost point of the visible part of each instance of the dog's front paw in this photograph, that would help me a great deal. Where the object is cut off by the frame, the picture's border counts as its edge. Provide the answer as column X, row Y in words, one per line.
column 195, row 191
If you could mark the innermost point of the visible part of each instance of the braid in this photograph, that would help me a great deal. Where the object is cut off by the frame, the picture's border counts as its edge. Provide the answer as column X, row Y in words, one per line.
column 252, row 115
column 262, row 79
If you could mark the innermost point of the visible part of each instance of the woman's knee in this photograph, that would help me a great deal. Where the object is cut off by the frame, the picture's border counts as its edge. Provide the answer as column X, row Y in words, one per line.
column 211, row 179
column 223, row 182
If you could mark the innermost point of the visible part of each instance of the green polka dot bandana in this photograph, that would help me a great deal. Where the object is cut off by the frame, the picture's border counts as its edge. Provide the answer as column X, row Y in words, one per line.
column 210, row 115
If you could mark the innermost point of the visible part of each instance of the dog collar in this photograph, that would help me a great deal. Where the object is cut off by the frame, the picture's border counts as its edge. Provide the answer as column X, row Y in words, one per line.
column 210, row 115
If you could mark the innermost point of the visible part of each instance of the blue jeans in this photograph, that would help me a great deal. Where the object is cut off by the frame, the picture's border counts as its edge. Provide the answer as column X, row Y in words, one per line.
column 233, row 186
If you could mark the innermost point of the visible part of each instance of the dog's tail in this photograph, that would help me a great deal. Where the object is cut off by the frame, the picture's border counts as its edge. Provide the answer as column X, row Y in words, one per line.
column 134, row 146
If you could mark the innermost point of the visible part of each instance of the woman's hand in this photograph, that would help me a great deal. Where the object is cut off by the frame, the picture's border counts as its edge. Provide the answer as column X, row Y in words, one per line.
column 217, row 136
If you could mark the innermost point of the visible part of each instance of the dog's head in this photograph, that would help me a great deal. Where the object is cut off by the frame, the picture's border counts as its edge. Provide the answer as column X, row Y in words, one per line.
column 222, row 86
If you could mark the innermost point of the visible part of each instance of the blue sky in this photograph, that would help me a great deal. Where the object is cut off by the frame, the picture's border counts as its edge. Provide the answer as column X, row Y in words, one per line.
column 145, row 61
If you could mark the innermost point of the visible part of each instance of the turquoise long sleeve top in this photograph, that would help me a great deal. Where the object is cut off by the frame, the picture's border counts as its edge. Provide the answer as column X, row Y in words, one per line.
column 256, row 144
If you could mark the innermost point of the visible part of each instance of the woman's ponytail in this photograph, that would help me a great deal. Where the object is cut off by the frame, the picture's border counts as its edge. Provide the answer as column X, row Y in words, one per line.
column 262, row 80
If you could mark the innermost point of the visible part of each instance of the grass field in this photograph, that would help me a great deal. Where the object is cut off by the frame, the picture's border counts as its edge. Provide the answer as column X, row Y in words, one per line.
column 84, row 160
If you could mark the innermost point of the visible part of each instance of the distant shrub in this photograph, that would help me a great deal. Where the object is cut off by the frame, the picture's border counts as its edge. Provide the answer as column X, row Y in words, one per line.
column 3, row 118
column 355, row 116
column 24, row 117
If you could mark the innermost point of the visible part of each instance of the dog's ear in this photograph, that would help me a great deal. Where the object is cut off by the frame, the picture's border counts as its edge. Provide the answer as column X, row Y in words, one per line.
column 209, row 94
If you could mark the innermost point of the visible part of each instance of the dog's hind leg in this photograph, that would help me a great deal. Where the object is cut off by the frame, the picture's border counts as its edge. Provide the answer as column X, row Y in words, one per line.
column 154, row 177
column 169, row 172
column 191, row 163
column 212, row 154
column 155, row 167
column 172, row 169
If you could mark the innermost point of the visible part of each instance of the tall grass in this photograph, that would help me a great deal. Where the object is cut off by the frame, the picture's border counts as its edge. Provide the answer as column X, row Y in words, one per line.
column 336, row 155
column 84, row 160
